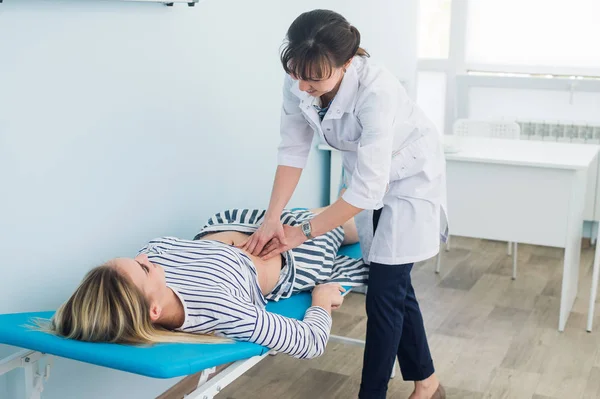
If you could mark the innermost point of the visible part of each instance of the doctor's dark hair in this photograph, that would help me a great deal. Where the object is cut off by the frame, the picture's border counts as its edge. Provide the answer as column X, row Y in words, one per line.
column 317, row 42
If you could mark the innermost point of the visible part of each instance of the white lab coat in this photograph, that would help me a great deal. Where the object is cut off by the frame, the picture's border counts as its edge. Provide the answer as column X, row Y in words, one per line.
column 392, row 155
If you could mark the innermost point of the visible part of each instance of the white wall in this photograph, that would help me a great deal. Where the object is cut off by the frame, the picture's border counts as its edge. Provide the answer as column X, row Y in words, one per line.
column 120, row 122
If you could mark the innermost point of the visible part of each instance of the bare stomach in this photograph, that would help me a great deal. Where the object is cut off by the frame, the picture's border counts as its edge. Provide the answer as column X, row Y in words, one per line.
column 267, row 270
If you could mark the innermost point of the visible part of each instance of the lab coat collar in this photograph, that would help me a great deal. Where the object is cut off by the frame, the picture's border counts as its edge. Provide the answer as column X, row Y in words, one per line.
column 344, row 99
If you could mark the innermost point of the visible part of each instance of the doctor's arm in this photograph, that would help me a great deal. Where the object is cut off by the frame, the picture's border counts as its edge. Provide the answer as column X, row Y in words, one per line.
column 335, row 215
column 370, row 178
column 286, row 180
column 293, row 151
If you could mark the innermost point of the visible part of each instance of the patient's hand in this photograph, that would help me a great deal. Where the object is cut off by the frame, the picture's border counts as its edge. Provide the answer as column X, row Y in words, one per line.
column 328, row 296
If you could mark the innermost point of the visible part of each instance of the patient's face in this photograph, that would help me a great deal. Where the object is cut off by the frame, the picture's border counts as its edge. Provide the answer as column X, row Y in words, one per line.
column 147, row 276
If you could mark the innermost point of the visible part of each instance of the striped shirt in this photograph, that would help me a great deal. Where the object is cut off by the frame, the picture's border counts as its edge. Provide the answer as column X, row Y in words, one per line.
column 316, row 261
column 322, row 111
column 218, row 287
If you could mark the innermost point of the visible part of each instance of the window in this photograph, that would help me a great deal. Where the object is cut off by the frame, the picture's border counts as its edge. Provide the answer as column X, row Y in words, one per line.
column 534, row 36
column 434, row 28
column 431, row 96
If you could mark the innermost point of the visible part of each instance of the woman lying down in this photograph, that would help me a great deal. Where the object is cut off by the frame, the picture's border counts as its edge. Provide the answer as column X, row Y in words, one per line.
column 207, row 290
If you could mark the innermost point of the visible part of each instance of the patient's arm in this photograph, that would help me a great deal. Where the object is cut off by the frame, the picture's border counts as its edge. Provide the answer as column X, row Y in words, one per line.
column 234, row 318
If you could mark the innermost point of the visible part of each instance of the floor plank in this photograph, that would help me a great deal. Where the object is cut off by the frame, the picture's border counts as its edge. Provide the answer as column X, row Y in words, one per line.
column 512, row 384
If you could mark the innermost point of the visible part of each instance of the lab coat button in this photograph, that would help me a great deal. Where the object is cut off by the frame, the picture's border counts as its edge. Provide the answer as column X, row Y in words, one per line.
column 338, row 111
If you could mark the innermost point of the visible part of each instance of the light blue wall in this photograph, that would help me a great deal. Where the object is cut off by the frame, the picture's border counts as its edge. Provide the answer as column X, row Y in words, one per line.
column 120, row 122
column 590, row 230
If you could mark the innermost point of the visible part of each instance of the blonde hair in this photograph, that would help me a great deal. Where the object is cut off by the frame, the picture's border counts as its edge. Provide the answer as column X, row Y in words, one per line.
column 108, row 307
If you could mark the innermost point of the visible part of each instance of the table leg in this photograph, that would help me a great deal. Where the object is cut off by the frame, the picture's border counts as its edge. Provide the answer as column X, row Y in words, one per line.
column 570, row 280
column 569, row 284
column 514, row 273
column 594, row 288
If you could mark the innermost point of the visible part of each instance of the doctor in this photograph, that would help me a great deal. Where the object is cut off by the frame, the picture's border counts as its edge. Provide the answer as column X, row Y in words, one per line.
column 396, row 188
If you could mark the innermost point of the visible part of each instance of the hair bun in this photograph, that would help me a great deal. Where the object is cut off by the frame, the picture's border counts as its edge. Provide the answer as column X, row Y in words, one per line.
column 356, row 34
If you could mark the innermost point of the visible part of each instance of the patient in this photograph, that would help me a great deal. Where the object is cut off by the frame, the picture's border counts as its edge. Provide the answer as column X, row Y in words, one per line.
column 207, row 290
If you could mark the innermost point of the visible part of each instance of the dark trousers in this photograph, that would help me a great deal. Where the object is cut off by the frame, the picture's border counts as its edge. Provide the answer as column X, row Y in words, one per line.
column 394, row 328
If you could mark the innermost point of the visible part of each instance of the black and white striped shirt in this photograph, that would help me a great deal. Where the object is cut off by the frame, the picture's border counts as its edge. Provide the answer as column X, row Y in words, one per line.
column 218, row 287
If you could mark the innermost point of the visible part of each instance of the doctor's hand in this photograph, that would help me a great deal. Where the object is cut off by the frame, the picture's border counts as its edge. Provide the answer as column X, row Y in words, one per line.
column 293, row 238
column 269, row 230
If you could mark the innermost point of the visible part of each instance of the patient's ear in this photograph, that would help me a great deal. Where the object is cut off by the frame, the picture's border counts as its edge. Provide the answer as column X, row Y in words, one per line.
column 155, row 311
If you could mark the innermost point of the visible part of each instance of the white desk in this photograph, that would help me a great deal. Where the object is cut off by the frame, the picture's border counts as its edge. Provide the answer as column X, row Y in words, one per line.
column 529, row 192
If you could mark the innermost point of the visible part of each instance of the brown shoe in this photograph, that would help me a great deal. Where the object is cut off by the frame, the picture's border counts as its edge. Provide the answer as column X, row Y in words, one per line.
column 439, row 393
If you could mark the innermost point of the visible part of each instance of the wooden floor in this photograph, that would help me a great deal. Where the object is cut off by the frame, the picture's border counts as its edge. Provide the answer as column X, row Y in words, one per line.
column 490, row 337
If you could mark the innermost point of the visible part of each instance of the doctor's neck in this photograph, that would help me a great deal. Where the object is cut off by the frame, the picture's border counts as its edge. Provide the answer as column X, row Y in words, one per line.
column 327, row 97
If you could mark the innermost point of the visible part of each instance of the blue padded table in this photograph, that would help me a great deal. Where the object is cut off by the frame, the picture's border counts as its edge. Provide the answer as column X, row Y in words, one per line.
column 159, row 360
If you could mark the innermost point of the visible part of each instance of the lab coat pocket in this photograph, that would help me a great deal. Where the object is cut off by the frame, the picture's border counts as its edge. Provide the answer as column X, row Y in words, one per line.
column 348, row 145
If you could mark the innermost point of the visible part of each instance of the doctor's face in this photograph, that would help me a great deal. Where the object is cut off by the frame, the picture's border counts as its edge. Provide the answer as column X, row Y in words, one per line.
column 319, row 86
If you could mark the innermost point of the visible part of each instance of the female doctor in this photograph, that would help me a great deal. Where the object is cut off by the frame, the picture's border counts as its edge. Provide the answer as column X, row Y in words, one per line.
column 396, row 187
